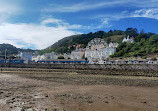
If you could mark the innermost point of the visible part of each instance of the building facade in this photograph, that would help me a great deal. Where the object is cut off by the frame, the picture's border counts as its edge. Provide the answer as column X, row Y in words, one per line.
column 78, row 53
column 67, row 55
column 51, row 56
column 128, row 39
column 36, row 58
column 26, row 56
column 98, row 50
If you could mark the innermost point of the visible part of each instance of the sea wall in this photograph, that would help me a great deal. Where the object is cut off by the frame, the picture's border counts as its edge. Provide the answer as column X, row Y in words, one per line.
column 142, row 67
column 108, row 69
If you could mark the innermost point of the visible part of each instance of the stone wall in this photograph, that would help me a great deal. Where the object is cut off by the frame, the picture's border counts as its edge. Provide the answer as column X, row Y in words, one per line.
column 129, row 67
column 150, row 70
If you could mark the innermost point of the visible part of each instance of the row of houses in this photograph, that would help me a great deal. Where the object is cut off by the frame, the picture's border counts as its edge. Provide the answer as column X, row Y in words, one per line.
column 97, row 50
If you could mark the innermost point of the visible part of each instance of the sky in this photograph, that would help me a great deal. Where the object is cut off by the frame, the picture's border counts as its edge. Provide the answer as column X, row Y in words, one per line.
column 37, row 24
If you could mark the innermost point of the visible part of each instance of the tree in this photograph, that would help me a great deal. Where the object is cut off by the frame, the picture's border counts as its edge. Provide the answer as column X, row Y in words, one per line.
column 141, row 31
column 154, row 59
column 153, row 39
column 108, row 40
column 140, row 36
column 131, row 32
column 11, row 57
column 61, row 57
column 86, row 58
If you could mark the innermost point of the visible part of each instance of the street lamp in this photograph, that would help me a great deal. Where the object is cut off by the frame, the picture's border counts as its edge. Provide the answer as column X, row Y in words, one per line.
column 5, row 55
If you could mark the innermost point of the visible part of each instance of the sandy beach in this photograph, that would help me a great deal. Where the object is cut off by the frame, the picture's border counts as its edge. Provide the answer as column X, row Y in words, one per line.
column 56, row 90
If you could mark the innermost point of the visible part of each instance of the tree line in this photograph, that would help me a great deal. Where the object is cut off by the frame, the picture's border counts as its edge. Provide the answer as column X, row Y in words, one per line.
column 145, row 43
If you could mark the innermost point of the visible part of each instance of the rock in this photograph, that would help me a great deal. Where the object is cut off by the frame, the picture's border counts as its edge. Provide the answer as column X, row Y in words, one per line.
column 112, row 97
column 13, row 98
column 74, row 97
column 55, row 109
column 144, row 102
column 90, row 101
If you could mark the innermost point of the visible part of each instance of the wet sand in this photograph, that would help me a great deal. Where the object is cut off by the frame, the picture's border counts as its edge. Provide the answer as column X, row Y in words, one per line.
column 72, row 91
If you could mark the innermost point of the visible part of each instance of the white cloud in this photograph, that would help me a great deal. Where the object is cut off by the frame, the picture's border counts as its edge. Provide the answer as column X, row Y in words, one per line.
column 61, row 23
column 147, row 13
column 7, row 9
column 51, row 20
column 105, row 23
column 83, row 6
column 44, row 35
column 145, row 3
column 39, row 36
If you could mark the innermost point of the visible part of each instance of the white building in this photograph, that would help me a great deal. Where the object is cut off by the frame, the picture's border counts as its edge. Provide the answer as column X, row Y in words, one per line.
column 46, row 56
column 67, row 55
column 50, row 56
column 36, row 58
column 128, row 39
column 78, row 53
column 114, row 45
column 26, row 56
column 98, row 50
column 42, row 57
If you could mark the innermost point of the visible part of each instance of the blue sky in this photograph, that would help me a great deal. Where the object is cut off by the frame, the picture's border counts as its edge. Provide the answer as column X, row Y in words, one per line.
column 38, row 24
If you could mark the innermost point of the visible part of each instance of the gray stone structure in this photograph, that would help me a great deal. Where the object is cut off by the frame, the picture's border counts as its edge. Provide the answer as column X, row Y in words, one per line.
column 78, row 53
column 98, row 50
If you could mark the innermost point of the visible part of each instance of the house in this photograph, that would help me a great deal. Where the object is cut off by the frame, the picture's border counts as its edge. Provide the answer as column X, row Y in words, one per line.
column 98, row 50
column 78, row 53
column 113, row 45
column 128, row 39
column 36, row 58
column 27, row 56
column 50, row 56
column 67, row 55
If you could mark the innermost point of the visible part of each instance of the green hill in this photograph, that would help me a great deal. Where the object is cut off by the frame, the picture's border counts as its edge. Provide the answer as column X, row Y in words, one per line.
column 145, row 43
column 115, row 38
column 62, row 45
column 11, row 50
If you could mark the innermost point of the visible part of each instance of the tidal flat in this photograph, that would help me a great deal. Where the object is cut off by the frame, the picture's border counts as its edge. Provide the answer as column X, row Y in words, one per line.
column 23, row 89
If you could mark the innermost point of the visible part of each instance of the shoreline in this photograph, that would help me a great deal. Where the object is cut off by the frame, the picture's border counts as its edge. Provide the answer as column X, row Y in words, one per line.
column 72, row 90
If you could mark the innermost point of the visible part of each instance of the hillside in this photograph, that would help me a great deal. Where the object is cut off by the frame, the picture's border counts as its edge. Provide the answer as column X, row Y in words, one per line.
column 11, row 50
column 145, row 43
column 144, row 46
column 115, row 38
column 62, row 45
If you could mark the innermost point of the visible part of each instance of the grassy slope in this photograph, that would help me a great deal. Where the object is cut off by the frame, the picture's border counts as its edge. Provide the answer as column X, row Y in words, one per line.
column 117, row 38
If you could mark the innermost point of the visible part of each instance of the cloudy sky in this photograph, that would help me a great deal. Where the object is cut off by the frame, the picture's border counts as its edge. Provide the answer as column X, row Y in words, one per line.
column 38, row 24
